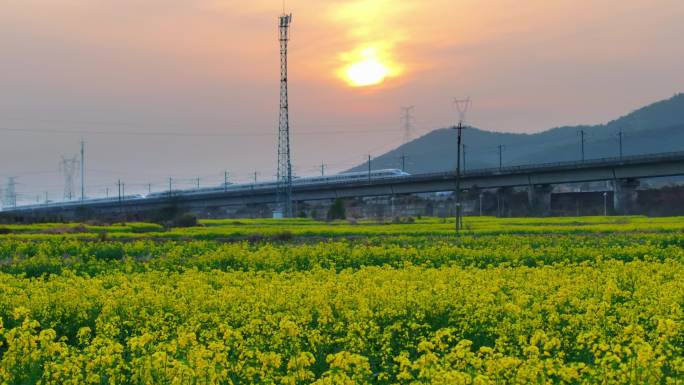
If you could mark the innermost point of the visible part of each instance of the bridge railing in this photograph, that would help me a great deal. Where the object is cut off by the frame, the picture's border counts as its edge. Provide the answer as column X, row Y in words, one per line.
column 492, row 171
column 557, row 165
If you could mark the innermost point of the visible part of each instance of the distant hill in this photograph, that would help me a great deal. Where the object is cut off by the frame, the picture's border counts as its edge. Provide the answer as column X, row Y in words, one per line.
column 658, row 127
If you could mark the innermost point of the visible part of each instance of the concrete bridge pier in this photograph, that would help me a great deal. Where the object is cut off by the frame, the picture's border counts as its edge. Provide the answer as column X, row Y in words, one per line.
column 625, row 195
column 503, row 201
column 539, row 199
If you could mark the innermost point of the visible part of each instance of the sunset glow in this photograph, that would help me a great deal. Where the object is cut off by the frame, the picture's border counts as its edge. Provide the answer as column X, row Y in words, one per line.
column 367, row 72
column 214, row 64
column 373, row 41
column 369, row 68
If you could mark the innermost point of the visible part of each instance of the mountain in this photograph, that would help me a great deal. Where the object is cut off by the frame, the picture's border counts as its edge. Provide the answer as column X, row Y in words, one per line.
column 658, row 127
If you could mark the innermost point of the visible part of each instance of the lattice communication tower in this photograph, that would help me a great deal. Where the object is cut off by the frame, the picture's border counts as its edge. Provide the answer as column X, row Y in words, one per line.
column 284, row 193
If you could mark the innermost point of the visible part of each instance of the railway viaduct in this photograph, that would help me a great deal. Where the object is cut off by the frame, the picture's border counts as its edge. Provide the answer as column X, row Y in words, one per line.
column 624, row 173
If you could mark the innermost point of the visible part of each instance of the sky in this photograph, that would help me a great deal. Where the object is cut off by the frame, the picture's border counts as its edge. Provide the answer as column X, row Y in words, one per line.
column 188, row 89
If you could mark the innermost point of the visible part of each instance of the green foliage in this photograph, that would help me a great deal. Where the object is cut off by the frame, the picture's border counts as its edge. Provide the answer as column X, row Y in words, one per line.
column 184, row 220
column 337, row 210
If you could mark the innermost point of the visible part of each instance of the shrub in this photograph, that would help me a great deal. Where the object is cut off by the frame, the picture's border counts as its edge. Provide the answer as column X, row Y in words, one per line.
column 337, row 210
column 185, row 220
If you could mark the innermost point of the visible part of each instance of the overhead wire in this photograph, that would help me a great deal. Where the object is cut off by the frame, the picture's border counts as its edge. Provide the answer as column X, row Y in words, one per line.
column 187, row 134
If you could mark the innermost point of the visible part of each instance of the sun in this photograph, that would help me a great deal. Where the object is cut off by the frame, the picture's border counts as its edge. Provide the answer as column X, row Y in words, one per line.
column 367, row 69
column 365, row 73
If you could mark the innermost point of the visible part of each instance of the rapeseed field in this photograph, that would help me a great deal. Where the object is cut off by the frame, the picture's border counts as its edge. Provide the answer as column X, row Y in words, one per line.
column 510, row 301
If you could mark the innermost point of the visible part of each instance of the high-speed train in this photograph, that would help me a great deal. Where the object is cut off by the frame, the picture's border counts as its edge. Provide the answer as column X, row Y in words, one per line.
column 329, row 179
column 336, row 178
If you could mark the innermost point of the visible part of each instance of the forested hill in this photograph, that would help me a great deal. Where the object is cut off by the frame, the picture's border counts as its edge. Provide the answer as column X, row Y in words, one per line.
column 658, row 127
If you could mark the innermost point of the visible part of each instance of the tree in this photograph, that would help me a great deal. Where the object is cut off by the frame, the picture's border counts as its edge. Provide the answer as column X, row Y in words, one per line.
column 337, row 210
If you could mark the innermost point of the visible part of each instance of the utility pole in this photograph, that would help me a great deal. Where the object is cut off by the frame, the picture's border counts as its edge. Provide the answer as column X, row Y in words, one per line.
column 225, row 180
column 620, row 134
column 255, row 177
column 198, row 183
column 121, row 195
column 369, row 168
column 82, row 169
column 501, row 147
column 403, row 162
column 149, row 188
column 170, row 186
column 462, row 106
column 498, row 204
column 322, row 169
column 581, row 132
column 284, row 175
column 464, row 159
column 46, row 198
column 480, row 204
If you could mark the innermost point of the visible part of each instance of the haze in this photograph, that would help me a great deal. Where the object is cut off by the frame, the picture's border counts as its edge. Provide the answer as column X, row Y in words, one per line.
column 188, row 89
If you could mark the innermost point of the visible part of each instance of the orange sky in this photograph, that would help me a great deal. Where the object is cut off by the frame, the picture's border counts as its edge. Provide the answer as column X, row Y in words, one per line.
column 212, row 66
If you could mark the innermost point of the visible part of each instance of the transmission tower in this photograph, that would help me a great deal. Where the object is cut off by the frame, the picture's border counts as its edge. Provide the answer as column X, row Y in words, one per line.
column 10, row 198
column 407, row 120
column 68, row 167
column 462, row 105
column 284, row 176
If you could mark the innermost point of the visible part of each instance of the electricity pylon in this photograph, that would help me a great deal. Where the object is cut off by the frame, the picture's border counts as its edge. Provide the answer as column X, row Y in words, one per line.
column 68, row 167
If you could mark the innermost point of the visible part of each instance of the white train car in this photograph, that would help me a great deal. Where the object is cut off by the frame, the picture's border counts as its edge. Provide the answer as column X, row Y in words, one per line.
column 327, row 179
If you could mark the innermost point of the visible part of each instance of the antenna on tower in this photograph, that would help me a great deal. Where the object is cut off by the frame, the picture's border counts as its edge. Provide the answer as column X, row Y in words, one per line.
column 284, row 175
column 68, row 167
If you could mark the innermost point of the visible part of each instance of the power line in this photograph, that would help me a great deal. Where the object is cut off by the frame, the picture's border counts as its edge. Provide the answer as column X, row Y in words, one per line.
column 187, row 134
